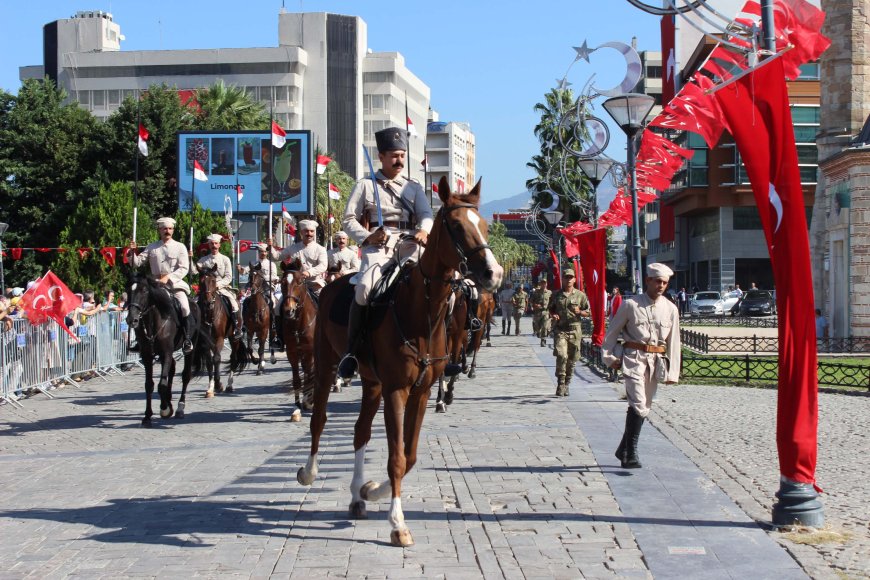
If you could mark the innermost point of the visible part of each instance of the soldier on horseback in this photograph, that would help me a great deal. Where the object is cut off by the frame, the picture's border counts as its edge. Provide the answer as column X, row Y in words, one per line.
column 404, row 210
column 270, row 274
column 224, row 274
column 311, row 256
column 342, row 260
column 169, row 265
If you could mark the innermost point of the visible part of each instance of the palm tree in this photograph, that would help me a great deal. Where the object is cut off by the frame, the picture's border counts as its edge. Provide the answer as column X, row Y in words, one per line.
column 226, row 108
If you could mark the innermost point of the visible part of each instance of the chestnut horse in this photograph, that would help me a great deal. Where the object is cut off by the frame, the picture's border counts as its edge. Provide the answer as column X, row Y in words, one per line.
column 404, row 352
column 298, row 315
column 258, row 316
column 217, row 321
column 485, row 311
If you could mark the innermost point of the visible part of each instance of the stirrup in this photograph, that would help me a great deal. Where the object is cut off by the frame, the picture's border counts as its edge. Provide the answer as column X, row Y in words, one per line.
column 452, row 369
column 347, row 366
column 475, row 324
column 187, row 346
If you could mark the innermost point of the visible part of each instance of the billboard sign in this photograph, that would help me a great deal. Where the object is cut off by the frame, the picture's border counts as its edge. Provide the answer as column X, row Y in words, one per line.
column 246, row 158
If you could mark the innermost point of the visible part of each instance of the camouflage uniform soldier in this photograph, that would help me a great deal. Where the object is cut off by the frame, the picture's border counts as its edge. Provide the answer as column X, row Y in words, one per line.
column 566, row 308
column 519, row 300
column 540, row 299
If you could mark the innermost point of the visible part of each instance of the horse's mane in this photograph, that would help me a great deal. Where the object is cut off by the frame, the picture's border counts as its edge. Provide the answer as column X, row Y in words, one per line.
column 161, row 299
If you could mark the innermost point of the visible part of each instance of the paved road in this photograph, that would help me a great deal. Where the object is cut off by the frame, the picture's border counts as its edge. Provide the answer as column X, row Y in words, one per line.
column 511, row 483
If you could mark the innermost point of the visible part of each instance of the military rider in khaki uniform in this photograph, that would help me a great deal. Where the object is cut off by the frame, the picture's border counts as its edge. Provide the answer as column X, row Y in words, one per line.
column 567, row 306
column 341, row 259
column 540, row 300
column 311, row 256
column 650, row 354
column 405, row 210
column 169, row 264
column 519, row 300
column 224, row 275
column 270, row 274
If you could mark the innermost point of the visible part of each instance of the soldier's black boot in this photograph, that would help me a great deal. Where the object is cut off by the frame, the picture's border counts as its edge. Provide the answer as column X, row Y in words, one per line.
column 348, row 365
column 187, row 331
column 633, row 423
column 237, row 323
column 509, row 327
column 502, row 326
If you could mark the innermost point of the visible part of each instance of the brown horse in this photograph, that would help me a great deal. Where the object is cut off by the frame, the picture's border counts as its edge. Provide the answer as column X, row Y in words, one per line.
column 257, row 315
column 217, row 321
column 457, row 343
column 298, row 315
column 405, row 350
column 485, row 312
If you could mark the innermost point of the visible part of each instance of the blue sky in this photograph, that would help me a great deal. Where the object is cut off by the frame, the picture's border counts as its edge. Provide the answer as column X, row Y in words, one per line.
column 487, row 63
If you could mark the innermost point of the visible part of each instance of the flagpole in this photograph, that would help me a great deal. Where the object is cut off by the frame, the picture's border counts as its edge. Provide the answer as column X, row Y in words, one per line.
column 136, row 186
column 271, row 171
column 328, row 199
column 408, row 133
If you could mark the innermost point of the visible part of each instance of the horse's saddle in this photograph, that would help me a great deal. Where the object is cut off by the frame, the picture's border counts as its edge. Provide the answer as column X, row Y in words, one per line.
column 383, row 289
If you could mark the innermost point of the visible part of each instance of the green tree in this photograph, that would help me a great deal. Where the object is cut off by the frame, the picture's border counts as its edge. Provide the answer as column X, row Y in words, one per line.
column 106, row 220
column 344, row 182
column 508, row 251
column 49, row 153
column 223, row 107
column 160, row 110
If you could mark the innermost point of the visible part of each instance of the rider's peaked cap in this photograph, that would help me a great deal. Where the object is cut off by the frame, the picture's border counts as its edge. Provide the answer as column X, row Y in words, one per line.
column 392, row 139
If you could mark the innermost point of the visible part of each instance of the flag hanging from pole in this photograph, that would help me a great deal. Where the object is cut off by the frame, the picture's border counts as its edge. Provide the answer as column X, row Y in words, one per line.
column 285, row 214
column 322, row 162
column 593, row 261
column 49, row 298
column 425, row 162
column 279, row 136
column 434, row 187
column 239, row 193
column 334, row 192
column 143, row 140
column 412, row 130
column 757, row 110
column 199, row 172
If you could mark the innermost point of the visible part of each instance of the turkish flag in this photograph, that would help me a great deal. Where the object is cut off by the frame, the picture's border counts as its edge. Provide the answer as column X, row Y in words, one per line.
column 669, row 58
column 757, row 109
column 244, row 245
column 572, row 245
column 16, row 253
column 108, row 254
column 49, row 298
column 593, row 260
column 557, row 276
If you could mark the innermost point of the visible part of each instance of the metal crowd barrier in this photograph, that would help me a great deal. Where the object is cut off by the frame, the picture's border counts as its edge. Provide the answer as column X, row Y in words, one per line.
column 34, row 357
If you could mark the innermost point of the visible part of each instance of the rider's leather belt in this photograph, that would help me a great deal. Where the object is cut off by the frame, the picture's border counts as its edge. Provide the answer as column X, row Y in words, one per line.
column 653, row 348
column 399, row 225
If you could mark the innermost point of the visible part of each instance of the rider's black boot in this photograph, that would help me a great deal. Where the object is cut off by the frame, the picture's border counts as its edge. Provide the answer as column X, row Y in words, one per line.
column 187, row 330
column 237, row 323
column 348, row 366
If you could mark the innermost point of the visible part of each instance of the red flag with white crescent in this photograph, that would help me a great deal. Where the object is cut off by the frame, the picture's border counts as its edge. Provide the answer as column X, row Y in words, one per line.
column 279, row 136
column 143, row 140
column 49, row 298
column 593, row 261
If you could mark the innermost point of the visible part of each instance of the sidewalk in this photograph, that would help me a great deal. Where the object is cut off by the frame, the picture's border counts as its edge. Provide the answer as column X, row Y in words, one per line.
column 510, row 483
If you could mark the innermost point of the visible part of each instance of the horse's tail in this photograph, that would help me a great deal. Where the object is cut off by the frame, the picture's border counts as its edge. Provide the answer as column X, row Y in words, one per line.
column 239, row 358
column 203, row 346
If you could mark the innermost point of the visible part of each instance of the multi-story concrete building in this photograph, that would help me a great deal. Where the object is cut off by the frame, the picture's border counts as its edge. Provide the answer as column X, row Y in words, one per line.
column 840, row 234
column 450, row 149
column 321, row 77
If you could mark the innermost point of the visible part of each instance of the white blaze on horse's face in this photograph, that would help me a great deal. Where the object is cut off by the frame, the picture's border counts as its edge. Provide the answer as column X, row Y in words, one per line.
column 493, row 272
column 133, row 288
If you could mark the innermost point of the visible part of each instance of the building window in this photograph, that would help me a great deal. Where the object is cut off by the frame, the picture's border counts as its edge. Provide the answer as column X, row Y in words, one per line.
column 808, row 154
column 809, row 71
column 653, row 72
column 98, row 99
column 805, row 133
column 376, row 104
column 379, row 77
column 84, row 98
column 746, row 218
column 698, row 168
column 805, row 114
column 114, row 97
column 281, row 95
column 705, row 224
column 809, row 174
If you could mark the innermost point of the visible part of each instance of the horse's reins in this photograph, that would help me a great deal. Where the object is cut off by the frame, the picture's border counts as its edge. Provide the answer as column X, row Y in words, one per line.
column 426, row 360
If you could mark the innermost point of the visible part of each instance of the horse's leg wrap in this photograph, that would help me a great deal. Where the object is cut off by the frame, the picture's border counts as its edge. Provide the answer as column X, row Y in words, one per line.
column 348, row 365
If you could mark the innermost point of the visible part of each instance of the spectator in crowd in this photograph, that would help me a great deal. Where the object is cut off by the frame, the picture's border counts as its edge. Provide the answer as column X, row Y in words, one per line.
column 615, row 301
column 683, row 301
column 821, row 329
column 752, row 286
column 122, row 302
column 109, row 303
column 5, row 316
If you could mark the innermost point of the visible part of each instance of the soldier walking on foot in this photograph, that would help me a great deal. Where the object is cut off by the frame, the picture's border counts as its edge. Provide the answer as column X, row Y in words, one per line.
column 650, row 327
column 567, row 307
column 519, row 303
column 540, row 299
column 505, row 302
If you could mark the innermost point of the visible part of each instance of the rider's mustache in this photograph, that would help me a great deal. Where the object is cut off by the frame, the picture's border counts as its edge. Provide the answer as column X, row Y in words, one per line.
column 398, row 165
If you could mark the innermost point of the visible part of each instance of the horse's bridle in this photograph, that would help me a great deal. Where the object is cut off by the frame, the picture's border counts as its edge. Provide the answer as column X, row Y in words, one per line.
column 300, row 302
column 463, row 256
column 208, row 320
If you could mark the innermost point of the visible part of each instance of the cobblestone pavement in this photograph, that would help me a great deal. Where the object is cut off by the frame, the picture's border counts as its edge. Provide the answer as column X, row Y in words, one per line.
column 729, row 432
column 507, row 484
column 505, row 487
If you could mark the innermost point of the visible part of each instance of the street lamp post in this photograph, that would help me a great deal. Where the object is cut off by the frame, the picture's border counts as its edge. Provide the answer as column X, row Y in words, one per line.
column 3, row 228
column 553, row 216
column 630, row 111
column 595, row 169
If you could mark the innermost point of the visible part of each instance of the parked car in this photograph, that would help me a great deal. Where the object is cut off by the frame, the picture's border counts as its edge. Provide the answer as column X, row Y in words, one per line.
column 711, row 303
column 757, row 303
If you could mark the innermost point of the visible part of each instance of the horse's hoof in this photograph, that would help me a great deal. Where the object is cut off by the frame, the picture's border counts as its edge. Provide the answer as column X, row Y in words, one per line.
column 220, row 389
column 346, row 382
column 358, row 510
column 209, row 394
column 179, row 414
column 440, row 408
column 146, row 422
column 448, row 398
column 401, row 538
column 307, row 406
column 166, row 413
column 303, row 477
column 471, row 374
column 367, row 489
column 296, row 416
column 229, row 389
column 488, row 344
column 259, row 372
